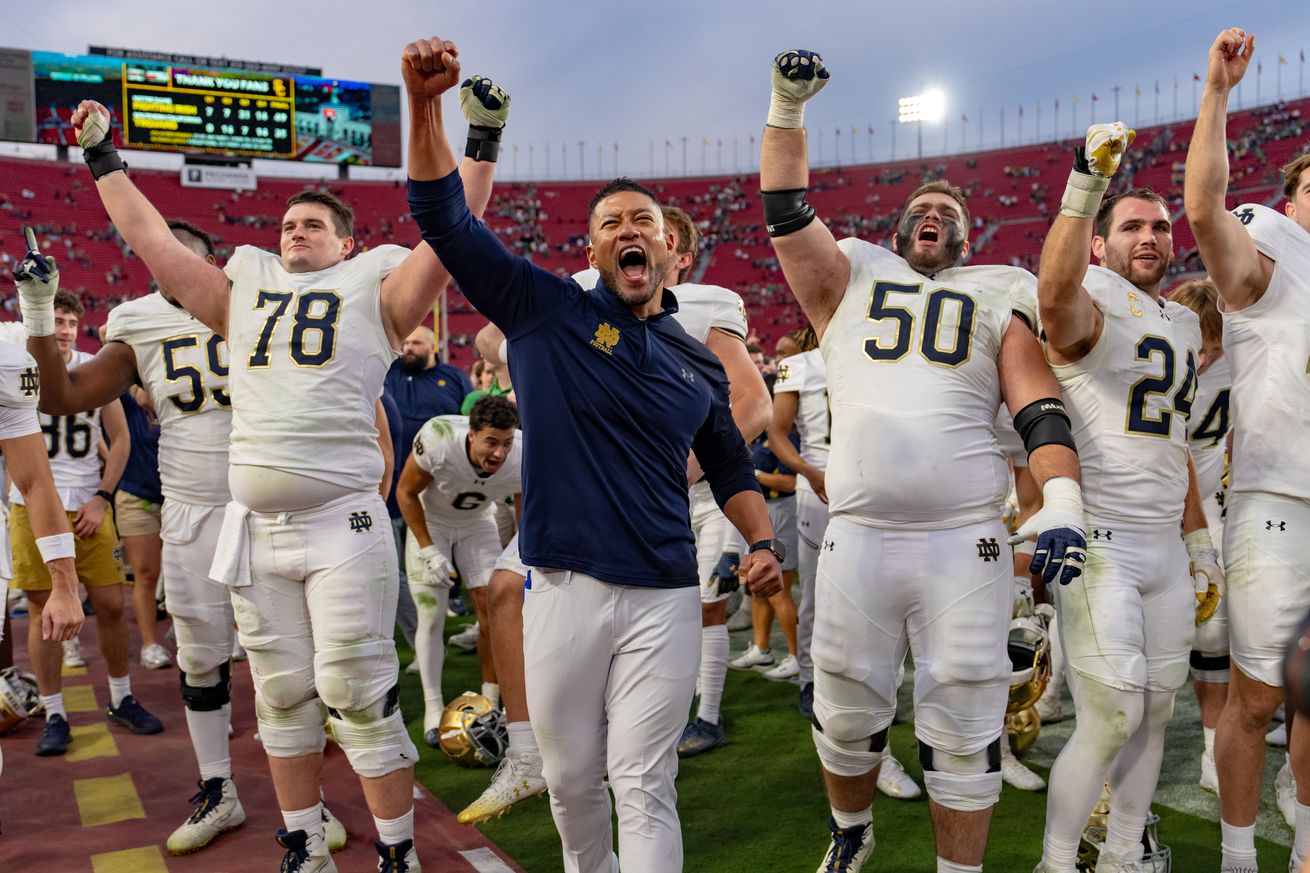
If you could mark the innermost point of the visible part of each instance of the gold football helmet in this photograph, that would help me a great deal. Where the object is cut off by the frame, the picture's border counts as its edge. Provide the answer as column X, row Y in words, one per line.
column 1022, row 728
column 19, row 699
column 1030, row 661
column 1156, row 856
column 472, row 732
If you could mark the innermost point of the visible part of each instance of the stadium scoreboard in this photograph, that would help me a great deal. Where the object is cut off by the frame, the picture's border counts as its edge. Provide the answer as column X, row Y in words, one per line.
column 204, row 110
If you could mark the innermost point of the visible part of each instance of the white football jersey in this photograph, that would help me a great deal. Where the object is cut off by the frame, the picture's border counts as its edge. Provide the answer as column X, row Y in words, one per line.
column 1268, row 344
column 1129, row 399
column 13, row 332
column 20, row 390
column 184, row 366
column 460, row 493
column 308, row 355
column 72, row 443
column 805, row 375
column 1207, row 429
column 912, row 377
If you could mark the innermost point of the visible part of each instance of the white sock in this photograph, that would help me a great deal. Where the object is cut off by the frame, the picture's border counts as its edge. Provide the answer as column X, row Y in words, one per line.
column 309, row 820
column 714, row 645
column 392, row 831
column 1302, row 842
column 1238, row 843
column 852, row 819
column 1123, row 837
column 491, row 691
column 54, row 705
column 944, row 866
column 522, row 741
column 209, row 740
column 1208, row 733
column 119, row 687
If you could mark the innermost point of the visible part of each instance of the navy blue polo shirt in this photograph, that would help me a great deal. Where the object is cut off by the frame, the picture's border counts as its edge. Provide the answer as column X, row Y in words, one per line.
column 611, row 404
column 141, row 475
column 421, row 396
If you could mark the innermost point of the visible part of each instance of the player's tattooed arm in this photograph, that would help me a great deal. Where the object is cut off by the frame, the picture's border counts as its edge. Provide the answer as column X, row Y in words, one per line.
column 1239, row 271
column 198, row 285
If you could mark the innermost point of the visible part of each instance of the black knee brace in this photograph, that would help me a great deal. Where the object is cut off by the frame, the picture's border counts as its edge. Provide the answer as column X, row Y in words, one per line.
column 207, row 698
column 993, row 750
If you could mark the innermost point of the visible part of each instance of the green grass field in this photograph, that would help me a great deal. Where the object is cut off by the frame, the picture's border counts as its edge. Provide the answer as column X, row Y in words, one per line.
column 756, row 805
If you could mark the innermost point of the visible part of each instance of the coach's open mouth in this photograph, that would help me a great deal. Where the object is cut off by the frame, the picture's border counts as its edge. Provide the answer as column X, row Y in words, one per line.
column 632, row 263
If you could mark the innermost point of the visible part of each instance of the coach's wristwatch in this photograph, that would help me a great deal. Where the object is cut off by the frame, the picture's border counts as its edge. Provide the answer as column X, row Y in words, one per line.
column 776, row 546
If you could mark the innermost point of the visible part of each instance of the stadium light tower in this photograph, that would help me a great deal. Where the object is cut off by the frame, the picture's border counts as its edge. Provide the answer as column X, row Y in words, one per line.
column 928, row 106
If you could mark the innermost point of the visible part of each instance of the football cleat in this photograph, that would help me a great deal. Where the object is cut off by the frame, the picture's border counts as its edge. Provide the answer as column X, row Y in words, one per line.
column 1285, row 793
column 218, row 810
column 1016, row 775
column 517, row 778
column 467, row 639
column 849, row 849
column 788, row 669
column 700, row 736
column 73, row 654
column 398, row 858
column 334, row 832
column 155, row 657
column 301, row 856
column 1209, row 774
column 751, row 658
column 55, row 737
column 134, row 717
column 740, row 619
column 893, row 781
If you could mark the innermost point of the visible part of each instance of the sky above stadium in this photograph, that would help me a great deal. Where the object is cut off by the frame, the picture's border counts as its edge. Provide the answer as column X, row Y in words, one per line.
column 656, row 88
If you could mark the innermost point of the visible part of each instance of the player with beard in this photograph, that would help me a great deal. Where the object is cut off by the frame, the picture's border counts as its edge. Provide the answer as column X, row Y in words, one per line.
column 614, row 396
column 1126, row 362
column 919, row 354
column 1260, row 263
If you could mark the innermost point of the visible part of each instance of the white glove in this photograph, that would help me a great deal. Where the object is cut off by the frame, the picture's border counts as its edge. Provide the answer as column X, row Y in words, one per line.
column 437, row 570
column 1206, row 573
column 1095, row 162
column 1105, row 147
column 798, row 75
column 483, row 102
column 1059, row 528
column 37, row 278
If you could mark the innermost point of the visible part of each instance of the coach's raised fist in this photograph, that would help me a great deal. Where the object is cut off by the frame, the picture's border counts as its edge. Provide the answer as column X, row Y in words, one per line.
column 798, row 74
column 90, row 123
column 483, row 102
column 429, row 67
column 1105, row 147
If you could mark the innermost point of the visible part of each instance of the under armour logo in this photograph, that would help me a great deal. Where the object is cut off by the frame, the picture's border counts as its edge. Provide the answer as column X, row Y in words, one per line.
column 988, row 549
column 1102, row 534
column 1269, row 525
column 28, row 382
column 828, row 545
column 361, row 522
column 688, row 375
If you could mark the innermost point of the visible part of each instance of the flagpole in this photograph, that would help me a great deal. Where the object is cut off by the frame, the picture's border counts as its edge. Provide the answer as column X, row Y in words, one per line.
column 1175, row 98
column 1137, row 107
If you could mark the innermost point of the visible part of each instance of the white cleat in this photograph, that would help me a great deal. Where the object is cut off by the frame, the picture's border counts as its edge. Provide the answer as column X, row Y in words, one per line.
column 741, row 619
column 412, row 668
column 1209, row 775
column 788, row 669
column 155, row 657
column 334, row 832
column 218, row 809
column 73, row 653
column 752, row 657
column 517, row 778
column 849, row 849
column 305, row 853
column 400, row 858
column 893, row 781
column 467, row 639
column 1285, row 793
column 1277, row 736
column 1015, row 774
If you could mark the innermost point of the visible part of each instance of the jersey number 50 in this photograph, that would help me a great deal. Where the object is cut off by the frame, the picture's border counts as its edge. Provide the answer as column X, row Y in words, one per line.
column 955, row 350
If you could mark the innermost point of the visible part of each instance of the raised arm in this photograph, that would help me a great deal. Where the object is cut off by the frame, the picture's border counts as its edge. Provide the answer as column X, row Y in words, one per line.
column 197, row 284
column 1239, row 271
column 815, row 268
column 1070, row 319
column 409, row 293
column 749, row 395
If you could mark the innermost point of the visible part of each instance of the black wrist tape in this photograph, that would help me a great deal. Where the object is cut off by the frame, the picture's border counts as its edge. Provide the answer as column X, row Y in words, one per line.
column 1080, row 161
column 483, row 143
column 786, row 211
column 1044, row 422
column 103, row 159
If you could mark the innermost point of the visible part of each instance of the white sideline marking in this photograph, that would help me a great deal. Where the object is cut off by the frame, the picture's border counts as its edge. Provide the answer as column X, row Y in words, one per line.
column 485, row 861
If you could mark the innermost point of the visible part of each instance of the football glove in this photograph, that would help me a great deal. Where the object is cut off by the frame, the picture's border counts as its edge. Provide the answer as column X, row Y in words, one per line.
column 724, row 578
column 437, row 570
column 483, row 102
column 37, row 278
column 1094, row 163
column 798, row 75
column 1206, row 574
column 1061, row 549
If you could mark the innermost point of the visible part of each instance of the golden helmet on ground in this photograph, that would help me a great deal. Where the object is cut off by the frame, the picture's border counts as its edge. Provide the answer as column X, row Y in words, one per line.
column 1022, row 728
column 19, row 698
column 472, row 732
column 1156, row 856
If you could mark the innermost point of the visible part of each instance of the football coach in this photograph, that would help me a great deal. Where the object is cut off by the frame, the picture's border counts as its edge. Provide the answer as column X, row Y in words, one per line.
column 613, row 394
